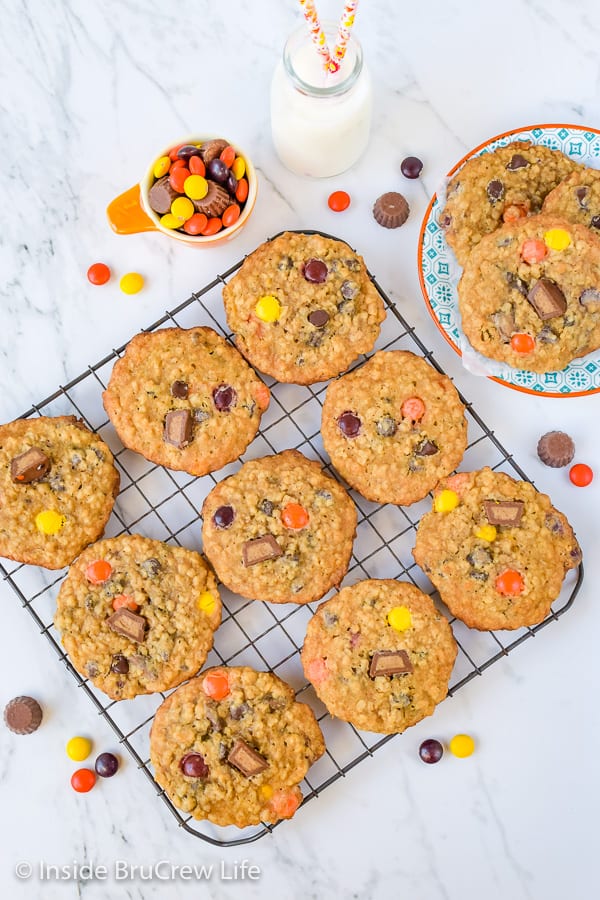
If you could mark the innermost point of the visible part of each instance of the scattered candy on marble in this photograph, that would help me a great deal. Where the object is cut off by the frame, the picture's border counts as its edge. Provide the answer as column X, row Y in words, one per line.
column 411, row 167
column 461, row 745
column 98, row 273
column 391, row 210
column 23, row 715
column 338, row 201
column 106, row 765
column 581, row 475
column 83, row 780
column 131, row 283
column 79, row 748
column 431, row 751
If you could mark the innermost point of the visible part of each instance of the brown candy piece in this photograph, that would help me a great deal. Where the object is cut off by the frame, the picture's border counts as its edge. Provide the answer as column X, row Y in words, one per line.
column 127, row 623
column 161, row 195
column 504, row 512
column 260, row 549
column 390, row 662
column 212, row 149
column 29, row 466
column 178, row 428
column 180, row 390
column 318, row 318
column 556, row 449
column 23, row 715
column 391, row 210
column 246, row 760
column 517, row 161
column 215, row 202
column 547, row 299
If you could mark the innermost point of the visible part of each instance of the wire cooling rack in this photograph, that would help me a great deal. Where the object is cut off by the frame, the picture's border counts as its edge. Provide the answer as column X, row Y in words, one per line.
column 165, row 505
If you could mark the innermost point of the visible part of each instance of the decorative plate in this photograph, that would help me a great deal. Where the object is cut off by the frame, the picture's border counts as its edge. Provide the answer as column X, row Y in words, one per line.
column 439, row 272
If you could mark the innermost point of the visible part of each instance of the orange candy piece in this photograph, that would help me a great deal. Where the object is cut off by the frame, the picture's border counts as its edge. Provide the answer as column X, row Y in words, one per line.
column 178, row 177
column 294, row 516
column 510, row 583
column 196, row 166
column 262, row 395
column 98, row 572
column 413, row 409
column 216, row 685
column 228, row 156
column 514, row 213
column 195, row 224
column 522, row 343
column 126, row 601
column 533, row 251
column 284, row 804
column 581, row 475
column 173, row 153
column 241, row 191
column 212, row 226
column 316, row 670
column 178, row 164
column 231, row 215
column 338, row 201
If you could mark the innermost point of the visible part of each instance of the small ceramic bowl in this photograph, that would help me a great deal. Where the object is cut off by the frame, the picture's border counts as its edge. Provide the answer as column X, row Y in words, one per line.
column 131, row 213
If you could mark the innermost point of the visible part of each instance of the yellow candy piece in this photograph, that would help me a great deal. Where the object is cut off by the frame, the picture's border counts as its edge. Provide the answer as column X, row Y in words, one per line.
column 239, row 167
column 49, row 521
column 461, row 745
column 557, row 239
column 266, row 791
column 132, row 282
column 79, row 748
column 170, row 221
column 196, row 187
column 268, row 308
column 399, row 618
column 486, row 533
column 183, row 209
column 161, row 166
column 206, row 602
column 446, row 501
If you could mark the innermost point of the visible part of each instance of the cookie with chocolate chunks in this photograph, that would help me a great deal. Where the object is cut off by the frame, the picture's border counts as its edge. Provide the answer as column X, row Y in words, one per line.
column 58, row 484
column 185, row 399
column 394, row 427
column 233, row 745
column 577, row 199
column 279, row 529
column 529, row 295
column 499, row 556
column 379, row 655
column 498, row 186
column 303, row 308
column 137, row 615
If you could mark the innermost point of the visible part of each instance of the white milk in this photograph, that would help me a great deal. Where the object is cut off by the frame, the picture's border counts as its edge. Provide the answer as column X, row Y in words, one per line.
column 320, row 121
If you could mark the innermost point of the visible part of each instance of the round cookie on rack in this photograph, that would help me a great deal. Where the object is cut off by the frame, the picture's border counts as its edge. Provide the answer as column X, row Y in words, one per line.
column 379, row 655
column 137, row 615
column 529, row 295
column 505, row 185
column 279, row 529
column 303, row 308
column 58, row 484
column 233, row 745
column 185, row 399
column 577, row 199
column 496, row 549
column 394, row 427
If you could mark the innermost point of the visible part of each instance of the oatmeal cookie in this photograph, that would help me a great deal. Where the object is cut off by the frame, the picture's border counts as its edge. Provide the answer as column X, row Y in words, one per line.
column 496, row 549
column 394, row 427
column 501, row 186
column 232, row 746
column 577, row 199
column 58, row 484
column 137, row 615
column 185, row 399
column 279, row 529
column 529, row 295
column 303, row 308
column 379, row 655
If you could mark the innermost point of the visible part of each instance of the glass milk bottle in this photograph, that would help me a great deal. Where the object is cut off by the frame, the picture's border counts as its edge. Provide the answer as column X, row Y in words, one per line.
column 320, row 120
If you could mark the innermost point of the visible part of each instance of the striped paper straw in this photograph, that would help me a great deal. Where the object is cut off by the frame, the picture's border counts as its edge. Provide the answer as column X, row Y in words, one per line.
column 317, row 33
column 343, row 35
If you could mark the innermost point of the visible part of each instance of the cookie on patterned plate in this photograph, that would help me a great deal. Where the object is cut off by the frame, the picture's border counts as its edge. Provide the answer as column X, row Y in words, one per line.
column 303, row 308
column 379, row 655
column 394, row 427
column 279, row 529
column 58, row 484
column 496, row 549
column 577, row 199
column 137, row 615
column 233, row 745
column 185, row 399
column 529, row 295
column 501, row 186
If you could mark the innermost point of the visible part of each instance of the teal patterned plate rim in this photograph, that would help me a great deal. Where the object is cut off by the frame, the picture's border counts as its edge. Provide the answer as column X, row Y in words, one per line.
column 439, row 271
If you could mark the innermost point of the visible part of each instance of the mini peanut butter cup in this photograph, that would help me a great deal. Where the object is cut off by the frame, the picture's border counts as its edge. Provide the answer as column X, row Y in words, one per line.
column 23, row 715
column 391, row 210
column 556, row 449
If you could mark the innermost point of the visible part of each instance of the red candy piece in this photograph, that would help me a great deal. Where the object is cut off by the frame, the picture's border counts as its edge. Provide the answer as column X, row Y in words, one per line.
column 533, row 251
column 581, row 475
column 177, row 178
column 212, row 226
column 83, row 780
column 98, row 273
column 228, row 156
column 241, row 192
column 196, row 224
column 522, row 343
column 510, row 583
column 231, row 215
column 338, row 201
column 196, row 166
column 173, row 153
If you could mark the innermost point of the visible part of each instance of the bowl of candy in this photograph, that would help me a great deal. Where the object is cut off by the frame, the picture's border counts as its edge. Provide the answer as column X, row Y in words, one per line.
column 199, row 191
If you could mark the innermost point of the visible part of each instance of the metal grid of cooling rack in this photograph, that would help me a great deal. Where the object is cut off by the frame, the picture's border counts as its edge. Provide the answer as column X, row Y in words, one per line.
column 165, row 505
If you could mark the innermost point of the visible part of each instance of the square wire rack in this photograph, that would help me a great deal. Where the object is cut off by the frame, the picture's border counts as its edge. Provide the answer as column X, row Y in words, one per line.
column 164, row 505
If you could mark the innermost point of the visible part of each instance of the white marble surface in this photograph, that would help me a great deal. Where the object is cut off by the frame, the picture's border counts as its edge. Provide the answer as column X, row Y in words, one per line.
column 89, row 90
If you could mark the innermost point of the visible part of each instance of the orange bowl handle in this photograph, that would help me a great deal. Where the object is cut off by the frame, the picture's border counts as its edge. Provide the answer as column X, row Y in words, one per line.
column 125, row 214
